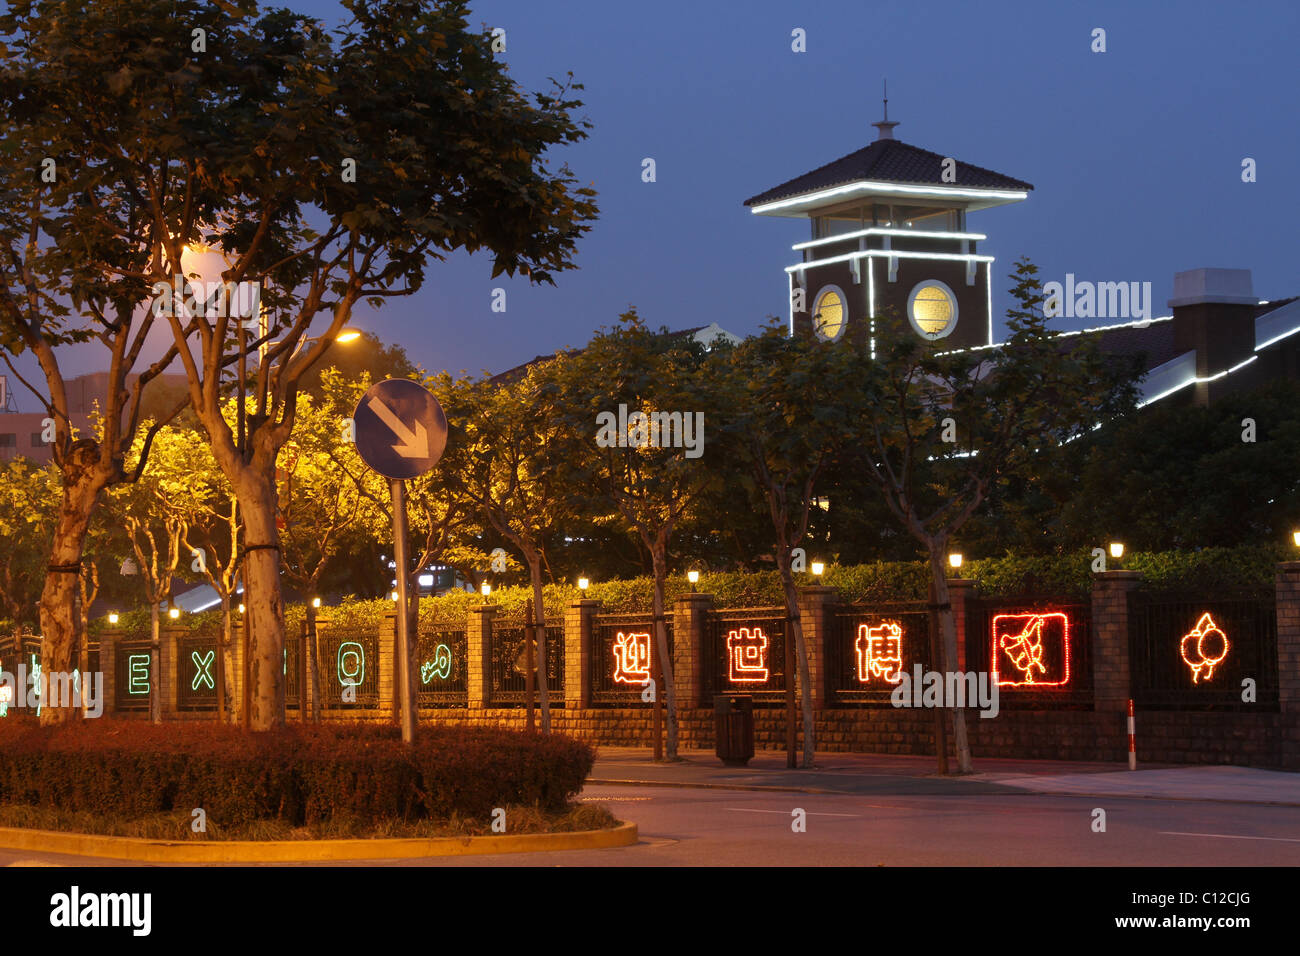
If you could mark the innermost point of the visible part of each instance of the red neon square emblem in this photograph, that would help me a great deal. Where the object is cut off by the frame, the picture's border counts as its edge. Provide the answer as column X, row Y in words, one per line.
column 1031, row 650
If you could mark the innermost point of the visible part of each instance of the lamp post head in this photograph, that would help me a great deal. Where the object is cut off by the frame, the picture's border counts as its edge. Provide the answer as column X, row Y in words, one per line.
column 693, row 577
column 583, row 584
column 818, row 567
column 955, row 560
column 1116, row 550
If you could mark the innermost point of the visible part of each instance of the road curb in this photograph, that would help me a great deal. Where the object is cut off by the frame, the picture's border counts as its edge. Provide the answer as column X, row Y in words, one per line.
column 306, row 851
column 1025, row 790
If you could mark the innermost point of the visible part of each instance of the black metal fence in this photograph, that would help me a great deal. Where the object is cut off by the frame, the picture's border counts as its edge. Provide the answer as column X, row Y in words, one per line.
column 624, row 656
column 1040, row 649
column 1189, row 652
column 349, row 666
column 443, row 661
column 133, row 675
column 870, row 647
column 196, row 671
column 744, row 652
column 506, row 665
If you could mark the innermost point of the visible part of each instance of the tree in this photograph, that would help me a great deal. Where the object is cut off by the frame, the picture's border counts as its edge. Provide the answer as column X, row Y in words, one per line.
column 155, row 511
column 28, row 492
column 788, row 412
column 648, row 479
column 321, row 170
column 76, row 265
column 510, row 465
column 1003, row 406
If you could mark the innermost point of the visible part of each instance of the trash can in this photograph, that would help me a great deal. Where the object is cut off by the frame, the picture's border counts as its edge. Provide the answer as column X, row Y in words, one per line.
column 733, row 716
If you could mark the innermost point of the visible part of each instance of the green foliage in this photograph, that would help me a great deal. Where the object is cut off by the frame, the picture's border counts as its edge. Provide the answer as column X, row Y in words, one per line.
column 297, row 775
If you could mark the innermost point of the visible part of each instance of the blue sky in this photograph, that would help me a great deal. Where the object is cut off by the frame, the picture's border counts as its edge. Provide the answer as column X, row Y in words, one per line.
column 1135, row 153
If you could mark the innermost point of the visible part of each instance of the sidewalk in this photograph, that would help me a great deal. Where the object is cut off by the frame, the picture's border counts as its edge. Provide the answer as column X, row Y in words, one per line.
column 890, row 774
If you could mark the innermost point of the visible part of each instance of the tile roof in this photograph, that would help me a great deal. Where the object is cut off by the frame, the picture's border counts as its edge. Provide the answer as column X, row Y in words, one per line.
column 890, row 161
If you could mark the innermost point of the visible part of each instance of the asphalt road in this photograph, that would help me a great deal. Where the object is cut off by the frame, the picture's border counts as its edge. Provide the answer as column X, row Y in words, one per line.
column 968, row 826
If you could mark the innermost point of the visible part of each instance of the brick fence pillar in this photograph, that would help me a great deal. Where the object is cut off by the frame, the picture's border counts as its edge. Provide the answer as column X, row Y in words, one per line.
column 814, row 616
column 690, row 618
column 1111, row 682
column 478, row 634
column 108, row 667
column 388, row 700
column 959, row 592
column 169, row 648
column 579, row 634
column 1288, row 636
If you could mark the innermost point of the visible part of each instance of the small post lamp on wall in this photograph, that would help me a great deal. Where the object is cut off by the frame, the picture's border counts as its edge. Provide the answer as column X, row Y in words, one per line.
column 583, row 584
column 817, row 568
column 955, row 560
column 694, row 578
column 112, row 617
column 174, row 613
column 1295, row 536
column 485, row 590
column 1116, row 551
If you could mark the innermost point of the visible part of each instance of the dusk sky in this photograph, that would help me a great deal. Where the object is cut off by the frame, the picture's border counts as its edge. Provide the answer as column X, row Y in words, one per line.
column 1135, row 154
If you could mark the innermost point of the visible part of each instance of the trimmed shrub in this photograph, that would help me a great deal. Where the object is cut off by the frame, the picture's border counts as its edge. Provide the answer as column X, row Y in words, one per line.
column 298, row 775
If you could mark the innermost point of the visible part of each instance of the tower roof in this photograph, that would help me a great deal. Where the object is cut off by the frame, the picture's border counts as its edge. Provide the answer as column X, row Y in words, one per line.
column 891, row 162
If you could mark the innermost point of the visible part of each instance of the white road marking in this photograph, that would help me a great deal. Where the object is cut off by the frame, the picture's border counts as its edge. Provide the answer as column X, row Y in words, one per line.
column 787, row 812
column 1229, row 836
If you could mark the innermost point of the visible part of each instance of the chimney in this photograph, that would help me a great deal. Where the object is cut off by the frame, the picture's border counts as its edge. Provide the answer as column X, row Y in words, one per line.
column 1214, row 314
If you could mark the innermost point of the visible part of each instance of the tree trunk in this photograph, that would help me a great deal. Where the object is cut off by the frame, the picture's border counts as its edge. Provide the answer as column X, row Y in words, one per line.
column 60, row 623
column 669, row 691
column 948, row 627
column 795, row 633
column 539, row 617
column 263, row 601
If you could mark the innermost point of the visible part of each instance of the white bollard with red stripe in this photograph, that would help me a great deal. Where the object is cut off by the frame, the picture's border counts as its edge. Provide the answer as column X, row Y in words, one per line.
column 1132, row 739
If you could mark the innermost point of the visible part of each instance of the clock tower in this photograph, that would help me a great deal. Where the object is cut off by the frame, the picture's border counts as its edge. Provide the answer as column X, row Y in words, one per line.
column 888, row 229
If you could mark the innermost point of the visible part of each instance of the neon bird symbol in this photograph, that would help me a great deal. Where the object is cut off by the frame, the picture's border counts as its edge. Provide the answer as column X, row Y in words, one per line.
column 879, row 652
column 1203, row 648
column 1025, row 650
column 632, row 658
column 439, row 667
column 747, row 656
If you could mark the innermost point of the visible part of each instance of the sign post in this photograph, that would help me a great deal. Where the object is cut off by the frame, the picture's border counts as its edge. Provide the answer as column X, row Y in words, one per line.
column 401, row 432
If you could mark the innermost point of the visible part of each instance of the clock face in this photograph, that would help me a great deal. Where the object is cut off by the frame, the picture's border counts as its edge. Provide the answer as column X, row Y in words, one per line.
column 829, row 316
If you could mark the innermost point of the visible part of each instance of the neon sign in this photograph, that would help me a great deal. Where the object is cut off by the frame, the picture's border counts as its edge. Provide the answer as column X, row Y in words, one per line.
column 439, row 667
column 351, row 664
column 203, row 670
column 879, row 651
column 1203, row 648
column 1028, row 646
column 747, row 656
column 632, row 658
column 137, row 668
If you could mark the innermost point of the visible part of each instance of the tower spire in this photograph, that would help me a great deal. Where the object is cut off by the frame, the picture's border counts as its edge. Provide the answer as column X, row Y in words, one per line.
column 885, row 127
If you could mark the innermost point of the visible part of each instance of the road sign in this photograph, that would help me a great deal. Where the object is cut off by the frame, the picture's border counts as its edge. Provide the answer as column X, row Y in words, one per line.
column 400, row 432
column 400, row 429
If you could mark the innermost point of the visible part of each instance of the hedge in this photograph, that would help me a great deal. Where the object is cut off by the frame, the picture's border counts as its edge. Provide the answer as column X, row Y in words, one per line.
column 1064, row 575
column 300, row 775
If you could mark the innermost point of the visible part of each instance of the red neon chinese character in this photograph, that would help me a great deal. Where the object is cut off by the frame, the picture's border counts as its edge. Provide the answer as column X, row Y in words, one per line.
column 1022, row 641
column 747, row 656
column 1203, row 648
column 632, row 658
column 879, row 651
